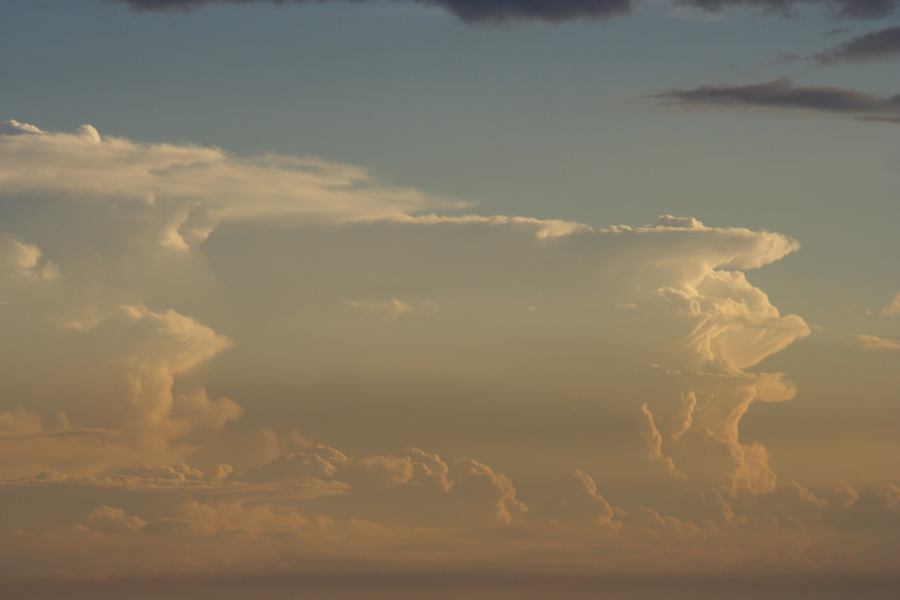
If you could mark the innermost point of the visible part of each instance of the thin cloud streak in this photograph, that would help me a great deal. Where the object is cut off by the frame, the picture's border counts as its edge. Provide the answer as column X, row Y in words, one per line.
column 883, row 44
column 498, row 11
column 782, row 94
column 470, row 11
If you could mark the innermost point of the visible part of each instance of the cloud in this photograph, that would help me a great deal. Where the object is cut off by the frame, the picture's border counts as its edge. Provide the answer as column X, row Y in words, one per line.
column 114, row 521
column 782, row 94
column 871, row 342
column 466, row 492
column 883, row 44
column 578, row 499
column 196, row 187
column 471, row 11
column 683, row 419
column 130, row 358
column 892, row 308
column 854, row 9
column 158, row 347
column 13, row 127
column 543, row 228
column 654, row 440
column 498, row 11
column 685, row 281
column 23, row 261
column 395, row 308
column 114, row 395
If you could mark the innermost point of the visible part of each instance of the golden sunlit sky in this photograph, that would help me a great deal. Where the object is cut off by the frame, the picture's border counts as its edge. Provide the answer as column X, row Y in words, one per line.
column 449, row 298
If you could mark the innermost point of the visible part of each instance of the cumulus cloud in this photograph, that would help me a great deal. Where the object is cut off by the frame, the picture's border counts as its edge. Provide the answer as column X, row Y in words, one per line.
column 159, row 347
column 883, row 44
column 683, row 418
column 465, row 492
column 704, row 430
column 132, row 357
column 20, row 260
column 114, row 521
column 873, row 342
column 132, row 431
column 782, row 94
column 685, row 279
column 654, row 440
column 578, row 499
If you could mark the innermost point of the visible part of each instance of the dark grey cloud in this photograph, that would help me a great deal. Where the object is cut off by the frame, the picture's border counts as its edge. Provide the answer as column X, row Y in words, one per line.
column 561, row 10
column 883, row 44
column 466, row 10
column 782, row 94
column 854, row 9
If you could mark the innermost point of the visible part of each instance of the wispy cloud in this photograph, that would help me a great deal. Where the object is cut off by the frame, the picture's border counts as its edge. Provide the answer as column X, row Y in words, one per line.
column 394, row 308
column 873, row 342
column 472, row 11
column 782, row 94
column 497, row 11
column 883, row 44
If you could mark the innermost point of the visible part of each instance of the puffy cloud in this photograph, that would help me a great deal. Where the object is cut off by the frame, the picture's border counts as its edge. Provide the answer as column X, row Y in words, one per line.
column 133, row 356
column 466, row 493
column 873, row 342
column 782, row 94
column 113, row 521
column 127, row 421
column 708, row 443
column 159, row 346
column 578, row 499
column 23, row 261
column 481, row 486
column 846, row 496
column 163, row 476
column 13, row 127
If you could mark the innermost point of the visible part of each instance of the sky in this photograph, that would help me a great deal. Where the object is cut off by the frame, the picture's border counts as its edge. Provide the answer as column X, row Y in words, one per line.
column 424, row 299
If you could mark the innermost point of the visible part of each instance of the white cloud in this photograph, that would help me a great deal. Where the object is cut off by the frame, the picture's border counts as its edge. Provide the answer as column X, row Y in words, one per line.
column 203, row 185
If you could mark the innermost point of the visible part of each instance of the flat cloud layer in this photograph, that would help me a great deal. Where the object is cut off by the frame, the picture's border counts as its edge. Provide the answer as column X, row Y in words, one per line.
column 467, row 10
column 561, row 10
column 161, row 291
